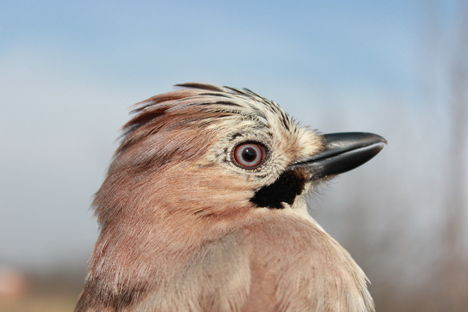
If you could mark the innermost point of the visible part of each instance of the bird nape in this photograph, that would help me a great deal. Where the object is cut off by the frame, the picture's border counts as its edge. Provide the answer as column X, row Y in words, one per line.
column 203, row 209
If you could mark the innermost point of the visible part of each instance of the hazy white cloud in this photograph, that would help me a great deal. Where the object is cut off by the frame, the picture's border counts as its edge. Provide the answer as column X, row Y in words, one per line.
column 57, row 132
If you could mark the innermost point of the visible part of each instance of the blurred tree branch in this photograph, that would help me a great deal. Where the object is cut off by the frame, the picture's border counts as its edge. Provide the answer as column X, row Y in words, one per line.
column 457, row 274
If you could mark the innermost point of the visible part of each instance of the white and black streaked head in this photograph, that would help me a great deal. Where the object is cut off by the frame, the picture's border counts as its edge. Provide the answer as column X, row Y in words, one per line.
column 215, row 149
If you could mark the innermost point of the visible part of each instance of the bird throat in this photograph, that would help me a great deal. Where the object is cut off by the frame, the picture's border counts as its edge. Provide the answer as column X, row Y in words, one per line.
column 284, row 190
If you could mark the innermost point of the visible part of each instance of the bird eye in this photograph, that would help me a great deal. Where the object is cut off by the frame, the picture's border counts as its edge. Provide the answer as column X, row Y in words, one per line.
column 249, row 155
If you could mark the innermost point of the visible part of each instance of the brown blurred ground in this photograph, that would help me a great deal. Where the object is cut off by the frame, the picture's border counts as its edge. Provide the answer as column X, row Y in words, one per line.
column 47, row 290
column 40, row 303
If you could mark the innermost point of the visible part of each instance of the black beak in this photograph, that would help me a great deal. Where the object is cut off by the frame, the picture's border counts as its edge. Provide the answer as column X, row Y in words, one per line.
column 343, row 152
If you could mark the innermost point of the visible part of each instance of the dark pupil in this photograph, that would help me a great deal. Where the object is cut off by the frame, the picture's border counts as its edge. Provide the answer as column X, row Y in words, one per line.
column 249, row 154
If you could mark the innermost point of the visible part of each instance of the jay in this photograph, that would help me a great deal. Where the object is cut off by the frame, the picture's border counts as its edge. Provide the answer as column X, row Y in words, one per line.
column 204, row 209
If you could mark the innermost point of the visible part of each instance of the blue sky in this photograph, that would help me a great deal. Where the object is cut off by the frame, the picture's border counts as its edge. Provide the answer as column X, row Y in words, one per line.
column 350, row 44
column 70, row 70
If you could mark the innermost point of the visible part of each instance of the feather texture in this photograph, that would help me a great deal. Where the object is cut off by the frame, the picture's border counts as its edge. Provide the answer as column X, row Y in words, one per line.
column 180, row 231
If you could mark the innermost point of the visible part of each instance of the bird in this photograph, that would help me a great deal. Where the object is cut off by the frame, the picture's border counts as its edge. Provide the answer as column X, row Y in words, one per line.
column 204, row 208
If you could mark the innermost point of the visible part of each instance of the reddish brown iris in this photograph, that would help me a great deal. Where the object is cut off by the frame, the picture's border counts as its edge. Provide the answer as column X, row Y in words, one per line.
column 249, row 155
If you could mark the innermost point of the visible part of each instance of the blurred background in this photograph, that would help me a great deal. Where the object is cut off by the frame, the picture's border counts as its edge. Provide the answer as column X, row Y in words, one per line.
column 70, row 70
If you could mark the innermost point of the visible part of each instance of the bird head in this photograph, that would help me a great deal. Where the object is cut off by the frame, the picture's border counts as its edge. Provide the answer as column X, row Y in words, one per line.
column 218, row 152
column 203, row 176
